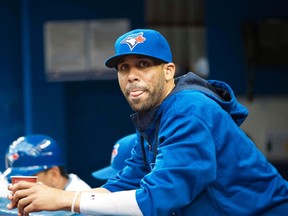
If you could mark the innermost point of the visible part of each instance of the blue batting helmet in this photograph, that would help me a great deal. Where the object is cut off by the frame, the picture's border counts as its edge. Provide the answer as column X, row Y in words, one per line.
column 29, row 155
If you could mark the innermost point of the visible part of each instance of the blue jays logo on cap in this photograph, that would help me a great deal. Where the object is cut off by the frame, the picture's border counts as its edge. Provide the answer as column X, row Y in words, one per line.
column 133, row 39
column 11, row 158
column 114, row 151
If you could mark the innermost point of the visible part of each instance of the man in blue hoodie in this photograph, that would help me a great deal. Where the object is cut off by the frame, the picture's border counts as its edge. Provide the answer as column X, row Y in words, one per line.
column 192, row 158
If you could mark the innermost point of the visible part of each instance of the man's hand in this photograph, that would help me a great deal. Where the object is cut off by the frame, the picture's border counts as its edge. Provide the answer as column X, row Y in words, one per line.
column 34, row 197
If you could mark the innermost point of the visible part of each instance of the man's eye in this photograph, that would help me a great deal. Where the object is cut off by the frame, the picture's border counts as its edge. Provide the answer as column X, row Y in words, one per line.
column 123, row 67
column 143, row 64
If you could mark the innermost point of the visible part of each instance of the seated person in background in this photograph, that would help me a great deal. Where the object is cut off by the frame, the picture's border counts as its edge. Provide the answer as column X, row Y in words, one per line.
column 120, row 152
column 40, row 155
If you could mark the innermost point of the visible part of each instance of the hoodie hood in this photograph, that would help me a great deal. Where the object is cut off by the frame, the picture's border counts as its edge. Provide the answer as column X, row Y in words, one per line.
column 218, row 91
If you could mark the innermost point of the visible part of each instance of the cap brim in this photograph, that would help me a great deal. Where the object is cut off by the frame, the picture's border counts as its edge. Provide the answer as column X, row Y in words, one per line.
column 23, row 172
column 105, row 173
column 113, row 60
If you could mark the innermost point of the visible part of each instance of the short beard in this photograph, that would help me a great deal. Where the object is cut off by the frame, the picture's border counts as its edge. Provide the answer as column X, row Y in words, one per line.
column 145, row 107
column 150, row 103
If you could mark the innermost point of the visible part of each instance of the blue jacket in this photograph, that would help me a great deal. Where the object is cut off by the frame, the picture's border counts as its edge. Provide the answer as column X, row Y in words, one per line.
column 196, row 160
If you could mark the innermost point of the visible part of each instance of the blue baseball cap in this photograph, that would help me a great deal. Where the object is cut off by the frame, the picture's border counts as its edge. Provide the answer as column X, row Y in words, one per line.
column 145, row 42
column 31, row 154
column 120, row 152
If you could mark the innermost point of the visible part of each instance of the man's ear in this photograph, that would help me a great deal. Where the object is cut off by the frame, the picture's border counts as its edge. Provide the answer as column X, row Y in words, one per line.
column 54, row 171
column 54, row 176
column 169, row 71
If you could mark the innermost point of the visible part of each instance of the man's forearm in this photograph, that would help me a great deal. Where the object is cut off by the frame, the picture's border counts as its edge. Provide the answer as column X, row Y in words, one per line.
column 101, row 201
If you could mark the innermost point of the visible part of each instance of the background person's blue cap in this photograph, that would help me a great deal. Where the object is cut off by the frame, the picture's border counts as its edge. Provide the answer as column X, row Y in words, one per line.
column 146, row 42
column 120, row 152
column 31, row 154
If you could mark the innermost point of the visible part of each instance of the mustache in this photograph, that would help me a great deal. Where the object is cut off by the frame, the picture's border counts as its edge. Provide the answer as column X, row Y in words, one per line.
column 134, row 87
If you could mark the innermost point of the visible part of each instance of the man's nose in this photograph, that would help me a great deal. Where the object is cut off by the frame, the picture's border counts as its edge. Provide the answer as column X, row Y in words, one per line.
column 133, row 74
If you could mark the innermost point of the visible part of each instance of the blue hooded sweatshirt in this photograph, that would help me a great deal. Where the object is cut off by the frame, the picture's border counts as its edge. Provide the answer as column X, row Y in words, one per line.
column 192, row 158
